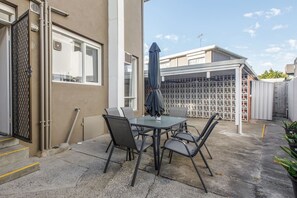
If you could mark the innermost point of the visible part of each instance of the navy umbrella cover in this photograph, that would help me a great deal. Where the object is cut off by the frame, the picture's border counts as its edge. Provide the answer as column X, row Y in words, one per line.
column 154, row 102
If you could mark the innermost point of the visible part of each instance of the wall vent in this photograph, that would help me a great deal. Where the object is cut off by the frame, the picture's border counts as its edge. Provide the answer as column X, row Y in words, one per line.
column 128, row 58
column 34, row 8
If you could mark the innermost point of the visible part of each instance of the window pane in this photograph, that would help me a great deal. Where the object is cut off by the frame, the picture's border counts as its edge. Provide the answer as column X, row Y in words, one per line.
column 131, row 84
column 91, row 64
column 128, row 80
column 67, row 59
column 130, row 102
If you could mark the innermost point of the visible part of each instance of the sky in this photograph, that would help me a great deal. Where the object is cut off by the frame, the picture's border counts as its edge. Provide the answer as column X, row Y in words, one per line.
column 263, row 31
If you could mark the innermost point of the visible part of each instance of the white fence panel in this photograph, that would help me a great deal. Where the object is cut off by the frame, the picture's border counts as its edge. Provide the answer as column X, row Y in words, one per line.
column 292, row 99
column 262, row 100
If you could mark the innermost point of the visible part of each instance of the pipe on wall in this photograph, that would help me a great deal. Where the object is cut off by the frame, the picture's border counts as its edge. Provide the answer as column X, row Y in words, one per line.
column 77, row 109
column 49, row 61
column 50, row 76
column 46, row 73
column 41, row 33
column 45, row 33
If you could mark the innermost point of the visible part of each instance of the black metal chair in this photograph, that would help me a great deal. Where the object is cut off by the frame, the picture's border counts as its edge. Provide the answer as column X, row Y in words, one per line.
column 129, row 114
column 185, row 134
column 115, row 112
column 122, row 136
column 188, row 150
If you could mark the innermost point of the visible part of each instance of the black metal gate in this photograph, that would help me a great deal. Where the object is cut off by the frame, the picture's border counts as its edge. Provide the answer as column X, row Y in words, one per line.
column 21, row 79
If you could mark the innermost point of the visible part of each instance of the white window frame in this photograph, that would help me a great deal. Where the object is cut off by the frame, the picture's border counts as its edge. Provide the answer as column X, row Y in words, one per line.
column 135, row 85
column 9, row 12
column 84, row 43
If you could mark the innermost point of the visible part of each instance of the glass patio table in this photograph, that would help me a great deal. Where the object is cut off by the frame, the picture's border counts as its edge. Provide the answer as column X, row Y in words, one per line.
column 165, row 123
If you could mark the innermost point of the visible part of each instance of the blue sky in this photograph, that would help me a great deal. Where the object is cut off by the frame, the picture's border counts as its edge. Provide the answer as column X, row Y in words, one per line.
column 264, row 31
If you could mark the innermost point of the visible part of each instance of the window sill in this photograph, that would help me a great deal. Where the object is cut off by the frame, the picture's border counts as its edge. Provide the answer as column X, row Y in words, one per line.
column 75, row 83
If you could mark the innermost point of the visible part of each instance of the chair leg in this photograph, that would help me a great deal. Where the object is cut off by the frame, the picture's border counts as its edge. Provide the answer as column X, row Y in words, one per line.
column 170, row 156
column 208, row 151
column 205, row 162
column 167, row 135
column 199, row 174
column 108, row 159
column 136, row 168
column 129, row 152
column 160, row 162
column 132, row 152
column 108, row 146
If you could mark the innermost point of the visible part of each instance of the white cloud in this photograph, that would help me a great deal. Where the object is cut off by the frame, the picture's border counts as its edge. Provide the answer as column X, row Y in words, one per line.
column 171, row 37
column 272, row 13
column 248, row 15
column 165, row 49
column 146, row 48
column 273, row 49
column 267, row 64
column 159, row 36
column 289, row 8
column 253, row 14
column 257, row 26
column 252, row 29
column 292, row 43
column 267, row 14
column 280, row 26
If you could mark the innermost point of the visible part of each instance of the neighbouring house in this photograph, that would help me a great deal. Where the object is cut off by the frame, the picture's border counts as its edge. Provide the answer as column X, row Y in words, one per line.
column 291, row 69
column 207, row 80
column 64, row 59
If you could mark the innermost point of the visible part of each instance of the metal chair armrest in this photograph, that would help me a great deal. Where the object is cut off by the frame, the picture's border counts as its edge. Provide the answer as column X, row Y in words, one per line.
column 193, row 138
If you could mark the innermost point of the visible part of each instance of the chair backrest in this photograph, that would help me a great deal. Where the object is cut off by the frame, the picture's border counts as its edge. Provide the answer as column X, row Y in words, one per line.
column 210, row 120
column 206, row 135
column 178, row 111
column 112, row 111
column 120, row 131
column 128, row 112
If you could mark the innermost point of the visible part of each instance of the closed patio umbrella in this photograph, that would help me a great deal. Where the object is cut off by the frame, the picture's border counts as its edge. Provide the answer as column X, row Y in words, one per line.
column 154, row 103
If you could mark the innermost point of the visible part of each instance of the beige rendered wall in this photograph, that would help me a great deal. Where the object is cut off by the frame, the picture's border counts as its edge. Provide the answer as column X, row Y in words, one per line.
column 173, row 62
column 208, row 56
column 134, row 43
column 88, row 18
column 182, row 61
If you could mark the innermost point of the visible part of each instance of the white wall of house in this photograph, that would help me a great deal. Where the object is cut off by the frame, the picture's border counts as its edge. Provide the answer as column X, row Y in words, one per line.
column 292, row 99
column 116, row 53
column 4, row 80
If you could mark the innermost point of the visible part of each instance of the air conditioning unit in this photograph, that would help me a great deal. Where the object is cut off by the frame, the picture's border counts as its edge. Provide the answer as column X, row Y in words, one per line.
column 128, row 58
column 34, row 7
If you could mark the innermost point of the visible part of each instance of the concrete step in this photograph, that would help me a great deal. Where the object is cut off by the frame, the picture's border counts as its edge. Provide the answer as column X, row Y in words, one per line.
column 17, row 170
column 7, row 141
column 13, row 154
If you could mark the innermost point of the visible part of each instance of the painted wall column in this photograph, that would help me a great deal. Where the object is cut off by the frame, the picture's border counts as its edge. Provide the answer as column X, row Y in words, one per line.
column 116, row 53
column 238, row 99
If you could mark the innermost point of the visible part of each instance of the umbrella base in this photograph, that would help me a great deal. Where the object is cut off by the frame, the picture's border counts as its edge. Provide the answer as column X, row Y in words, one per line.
column 158, row 118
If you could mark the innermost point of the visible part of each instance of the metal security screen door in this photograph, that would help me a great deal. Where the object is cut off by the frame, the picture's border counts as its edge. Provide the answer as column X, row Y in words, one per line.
column 21, row 79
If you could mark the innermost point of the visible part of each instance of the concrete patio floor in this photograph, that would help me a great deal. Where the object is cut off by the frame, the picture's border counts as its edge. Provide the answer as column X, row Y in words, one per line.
column 242, row 166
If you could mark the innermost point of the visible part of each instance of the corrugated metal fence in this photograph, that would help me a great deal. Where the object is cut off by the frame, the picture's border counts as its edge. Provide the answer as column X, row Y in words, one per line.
column 262, row 100
column 292, row 99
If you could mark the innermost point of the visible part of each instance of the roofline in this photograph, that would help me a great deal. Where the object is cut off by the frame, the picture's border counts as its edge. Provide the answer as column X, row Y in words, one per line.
column 210, row 47
column 207, row 67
